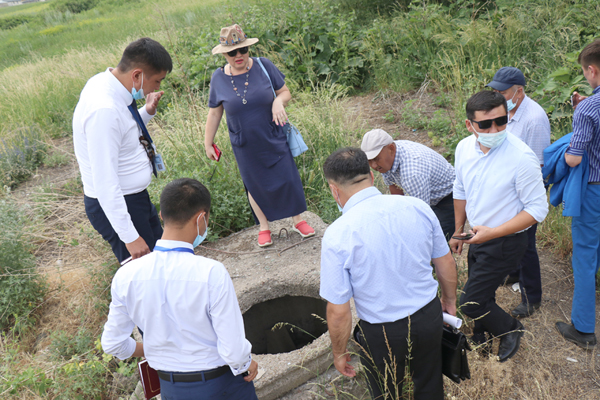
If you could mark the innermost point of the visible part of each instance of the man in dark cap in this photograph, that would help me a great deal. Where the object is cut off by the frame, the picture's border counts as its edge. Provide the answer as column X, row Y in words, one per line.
column 527, row 121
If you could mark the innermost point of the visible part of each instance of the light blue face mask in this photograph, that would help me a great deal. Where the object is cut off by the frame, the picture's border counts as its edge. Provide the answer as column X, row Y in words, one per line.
column 138, row 95
column 200, row 238
column 509, row 104
column 491, row 140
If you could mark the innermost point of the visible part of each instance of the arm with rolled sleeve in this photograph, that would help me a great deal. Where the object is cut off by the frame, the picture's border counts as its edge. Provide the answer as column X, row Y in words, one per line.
column 116, row 337
column 227, row 322
column 103, row 145
column 583, row 123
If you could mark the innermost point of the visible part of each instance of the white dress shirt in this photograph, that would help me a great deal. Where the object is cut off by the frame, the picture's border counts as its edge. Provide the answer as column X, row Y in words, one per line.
column 187, row 308
column 112, row 161
column 379, row 252
column 530, row 124
column 500, row 184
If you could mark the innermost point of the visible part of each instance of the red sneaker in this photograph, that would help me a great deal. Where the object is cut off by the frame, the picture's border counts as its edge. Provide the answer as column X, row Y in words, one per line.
column 304, row 229
column 264, row 238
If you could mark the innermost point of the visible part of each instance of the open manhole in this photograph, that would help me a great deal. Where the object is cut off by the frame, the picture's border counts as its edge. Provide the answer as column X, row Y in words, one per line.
column 285, row 324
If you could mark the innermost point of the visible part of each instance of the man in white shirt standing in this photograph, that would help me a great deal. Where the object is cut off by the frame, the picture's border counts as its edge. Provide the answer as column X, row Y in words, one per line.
column 528, row 121
column 115, row 152
column 185, row 305
column 499, row 188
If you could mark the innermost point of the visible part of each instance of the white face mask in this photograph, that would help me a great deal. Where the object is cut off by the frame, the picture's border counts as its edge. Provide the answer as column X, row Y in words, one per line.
column 490, row 140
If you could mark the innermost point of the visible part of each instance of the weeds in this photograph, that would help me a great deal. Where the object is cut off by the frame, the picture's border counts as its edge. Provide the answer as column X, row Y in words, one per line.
column 21, row 152
column 21, row 287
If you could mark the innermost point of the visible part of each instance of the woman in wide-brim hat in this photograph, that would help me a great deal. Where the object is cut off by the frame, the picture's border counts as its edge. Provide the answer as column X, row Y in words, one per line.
column 255, row 122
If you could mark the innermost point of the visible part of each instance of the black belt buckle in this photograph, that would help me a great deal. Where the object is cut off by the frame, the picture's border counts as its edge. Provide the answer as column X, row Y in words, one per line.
column 196, row 377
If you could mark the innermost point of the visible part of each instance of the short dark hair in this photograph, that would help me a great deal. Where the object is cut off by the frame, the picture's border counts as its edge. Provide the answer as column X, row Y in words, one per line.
column 344, row 165
column 181, row 199
column 146, row 53
column 590, row 55
column 486, row 100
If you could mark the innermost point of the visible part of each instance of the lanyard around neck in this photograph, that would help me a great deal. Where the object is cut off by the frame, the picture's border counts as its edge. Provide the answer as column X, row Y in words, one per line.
column 179, row 249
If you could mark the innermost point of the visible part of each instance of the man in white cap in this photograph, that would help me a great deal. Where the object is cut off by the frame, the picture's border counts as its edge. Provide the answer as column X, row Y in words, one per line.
column 527, row 121
column 414, row 170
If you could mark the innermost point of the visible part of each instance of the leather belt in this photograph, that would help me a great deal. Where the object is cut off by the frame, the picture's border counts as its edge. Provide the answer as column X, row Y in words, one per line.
column 195, row 377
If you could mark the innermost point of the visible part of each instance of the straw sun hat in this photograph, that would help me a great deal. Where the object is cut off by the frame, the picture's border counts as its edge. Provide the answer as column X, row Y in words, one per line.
column 231, row 38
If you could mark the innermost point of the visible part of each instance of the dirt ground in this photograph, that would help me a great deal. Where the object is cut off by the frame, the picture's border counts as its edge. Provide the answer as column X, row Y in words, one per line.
column 546, row 366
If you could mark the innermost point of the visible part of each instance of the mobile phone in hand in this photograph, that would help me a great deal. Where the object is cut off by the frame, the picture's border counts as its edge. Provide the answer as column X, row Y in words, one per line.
column 218, row 151
column 465, row 237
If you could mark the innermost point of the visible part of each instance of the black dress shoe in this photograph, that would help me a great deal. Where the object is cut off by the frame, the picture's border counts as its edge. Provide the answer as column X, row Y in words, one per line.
column 510, row 280
column 510, row 342
column 583, row 340
column 525, row 309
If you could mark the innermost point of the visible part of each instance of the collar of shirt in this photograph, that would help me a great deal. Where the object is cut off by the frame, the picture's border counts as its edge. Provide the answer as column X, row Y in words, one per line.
column 120, row 90
column 521, row 110
column 173, row 244
column 360, row 196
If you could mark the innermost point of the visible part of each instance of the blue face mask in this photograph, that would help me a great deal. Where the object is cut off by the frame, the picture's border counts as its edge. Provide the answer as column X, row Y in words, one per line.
column 491, row 140
column 509, row 104
column 138, row 95
column 200, row 238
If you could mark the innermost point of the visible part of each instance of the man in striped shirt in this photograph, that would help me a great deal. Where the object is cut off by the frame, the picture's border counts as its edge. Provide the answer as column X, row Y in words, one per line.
column 586, row 228
column 412, row 169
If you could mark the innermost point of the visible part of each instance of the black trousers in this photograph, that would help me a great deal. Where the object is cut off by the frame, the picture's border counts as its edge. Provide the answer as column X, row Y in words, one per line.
column 489, row 263
column 444, row 211
column 143, row 215
column 386, row 352
column 528, row 272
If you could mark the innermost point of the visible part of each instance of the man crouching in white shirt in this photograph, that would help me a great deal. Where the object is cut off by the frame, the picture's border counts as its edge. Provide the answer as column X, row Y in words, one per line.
column 185, row 305
column 499, row 188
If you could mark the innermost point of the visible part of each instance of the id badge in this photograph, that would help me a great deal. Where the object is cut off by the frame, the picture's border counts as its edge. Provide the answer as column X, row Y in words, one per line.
column 159, row 163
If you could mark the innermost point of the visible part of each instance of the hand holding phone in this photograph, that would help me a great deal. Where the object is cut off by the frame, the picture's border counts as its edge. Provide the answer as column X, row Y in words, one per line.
column 217, row 151
column 463, row 237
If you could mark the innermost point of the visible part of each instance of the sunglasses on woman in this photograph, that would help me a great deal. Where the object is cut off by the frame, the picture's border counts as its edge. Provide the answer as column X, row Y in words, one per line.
column 242, row 50
column 487, row 124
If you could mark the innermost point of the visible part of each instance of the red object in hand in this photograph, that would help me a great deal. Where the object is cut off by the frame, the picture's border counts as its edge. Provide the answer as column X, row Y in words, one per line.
column 150, row 380
column 218, row 151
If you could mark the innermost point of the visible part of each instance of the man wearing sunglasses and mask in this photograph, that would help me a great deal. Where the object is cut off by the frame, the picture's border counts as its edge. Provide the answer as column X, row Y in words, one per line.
column 499, row 188
column 527, row 121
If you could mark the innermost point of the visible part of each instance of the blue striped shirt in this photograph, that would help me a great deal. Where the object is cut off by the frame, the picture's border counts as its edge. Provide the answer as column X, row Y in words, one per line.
column 586, row 133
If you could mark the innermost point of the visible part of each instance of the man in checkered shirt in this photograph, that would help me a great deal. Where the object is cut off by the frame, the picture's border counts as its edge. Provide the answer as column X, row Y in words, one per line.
column 412, row 169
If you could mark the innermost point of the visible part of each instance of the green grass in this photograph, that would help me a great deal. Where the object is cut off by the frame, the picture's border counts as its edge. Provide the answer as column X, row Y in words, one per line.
column 30, row 8
column 57, row 33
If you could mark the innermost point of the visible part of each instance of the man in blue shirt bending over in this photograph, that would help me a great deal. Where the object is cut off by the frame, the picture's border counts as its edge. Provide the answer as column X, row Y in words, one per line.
column 379, row 253
column 586, row 228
